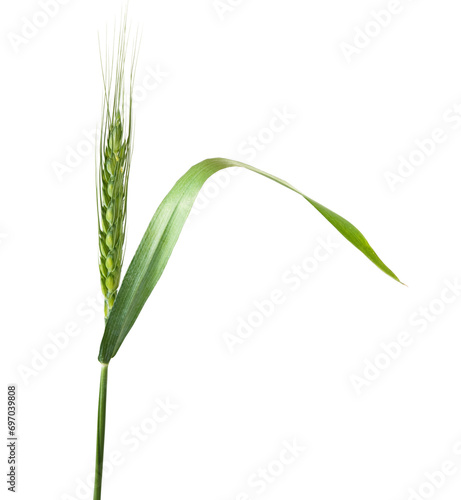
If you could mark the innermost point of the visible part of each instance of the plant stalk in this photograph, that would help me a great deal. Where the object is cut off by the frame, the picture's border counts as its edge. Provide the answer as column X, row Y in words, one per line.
column 100, row 432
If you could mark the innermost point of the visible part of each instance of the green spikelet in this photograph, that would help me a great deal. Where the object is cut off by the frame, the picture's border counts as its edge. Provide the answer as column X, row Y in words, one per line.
column 113, row 167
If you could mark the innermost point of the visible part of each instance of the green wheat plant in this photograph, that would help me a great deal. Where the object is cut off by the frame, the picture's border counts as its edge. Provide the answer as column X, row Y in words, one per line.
column 124, row 299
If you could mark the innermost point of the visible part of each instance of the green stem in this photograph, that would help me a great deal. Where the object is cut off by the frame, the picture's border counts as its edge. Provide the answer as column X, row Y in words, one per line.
column 100, row 432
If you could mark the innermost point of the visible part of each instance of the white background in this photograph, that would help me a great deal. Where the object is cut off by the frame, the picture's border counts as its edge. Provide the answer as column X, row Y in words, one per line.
column 222, row 74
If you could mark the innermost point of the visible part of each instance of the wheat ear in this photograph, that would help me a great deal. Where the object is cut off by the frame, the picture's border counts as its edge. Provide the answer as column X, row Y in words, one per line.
column 113, row 167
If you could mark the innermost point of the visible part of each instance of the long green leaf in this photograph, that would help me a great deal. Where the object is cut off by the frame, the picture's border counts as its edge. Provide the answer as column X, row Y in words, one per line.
column 162, row 234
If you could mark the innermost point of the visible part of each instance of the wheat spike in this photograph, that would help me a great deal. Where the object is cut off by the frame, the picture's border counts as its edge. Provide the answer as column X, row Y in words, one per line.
column 113, row 167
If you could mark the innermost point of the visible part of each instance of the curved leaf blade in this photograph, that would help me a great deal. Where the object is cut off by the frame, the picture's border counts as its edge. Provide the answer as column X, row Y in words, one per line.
column 162, row 234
